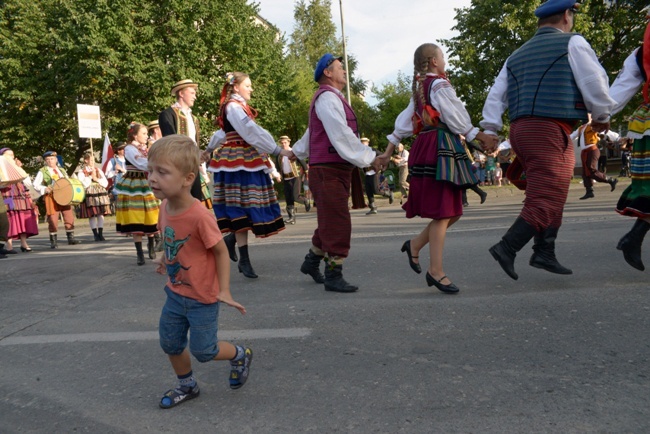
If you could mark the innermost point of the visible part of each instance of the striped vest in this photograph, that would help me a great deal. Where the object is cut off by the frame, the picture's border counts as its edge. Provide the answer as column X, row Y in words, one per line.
column 321, row 150
column 540, row 80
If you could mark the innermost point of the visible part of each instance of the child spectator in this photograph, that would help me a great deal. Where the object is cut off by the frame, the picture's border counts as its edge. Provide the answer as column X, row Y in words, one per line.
column 198, row 269
column 498, row 174
column 490, row 167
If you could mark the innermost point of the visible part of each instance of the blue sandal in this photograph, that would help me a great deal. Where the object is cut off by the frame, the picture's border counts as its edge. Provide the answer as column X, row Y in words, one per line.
column 239, row 370
column 173, row 397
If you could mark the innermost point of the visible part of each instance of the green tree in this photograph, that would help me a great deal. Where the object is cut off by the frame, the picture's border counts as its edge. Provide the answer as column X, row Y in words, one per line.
column 490, row 30
column 124, row 56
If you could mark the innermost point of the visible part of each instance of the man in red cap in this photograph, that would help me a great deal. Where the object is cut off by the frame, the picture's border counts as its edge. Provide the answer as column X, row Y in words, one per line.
column 548, row 85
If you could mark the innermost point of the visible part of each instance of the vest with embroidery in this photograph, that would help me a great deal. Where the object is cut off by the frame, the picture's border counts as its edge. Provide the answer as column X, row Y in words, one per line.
column 540, row 80
column 321, row 150
column 47, row 178
column 181, row 124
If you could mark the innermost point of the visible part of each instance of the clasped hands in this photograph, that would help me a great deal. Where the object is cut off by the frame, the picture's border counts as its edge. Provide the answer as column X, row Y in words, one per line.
column 489, row 142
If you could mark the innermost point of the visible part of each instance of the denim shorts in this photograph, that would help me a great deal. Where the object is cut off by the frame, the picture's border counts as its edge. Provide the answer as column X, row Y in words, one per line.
column 180, row 315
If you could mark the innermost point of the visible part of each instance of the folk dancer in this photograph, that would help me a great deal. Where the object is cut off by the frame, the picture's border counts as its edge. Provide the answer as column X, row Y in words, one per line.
column 548, row 85
column 44, row 183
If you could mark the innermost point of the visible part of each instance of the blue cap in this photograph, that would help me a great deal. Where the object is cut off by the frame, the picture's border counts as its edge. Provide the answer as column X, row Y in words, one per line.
column 552, row 7
column 323, row 63
column 49, row 154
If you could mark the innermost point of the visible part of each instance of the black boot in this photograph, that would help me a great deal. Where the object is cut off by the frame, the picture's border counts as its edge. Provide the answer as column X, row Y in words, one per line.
column 292, row 215
column 589, row 194
column 53, row 242
column 513, row 241
column 158, row 247
column 631, row 243
column 612, row 182
column 71, row 239
column 307, row 205
column 244, row 264
column 96, row 234
column 478, row 190
column 140, row 253
column 334, row 280
column 100, row 232
column 311, row 266
column 544, row 252
column 150, row 248
column 230, row 241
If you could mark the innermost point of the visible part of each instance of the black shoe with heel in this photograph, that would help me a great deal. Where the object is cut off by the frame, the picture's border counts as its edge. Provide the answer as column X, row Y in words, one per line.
column 25, row 249
column 406, row 247
column 448, row 289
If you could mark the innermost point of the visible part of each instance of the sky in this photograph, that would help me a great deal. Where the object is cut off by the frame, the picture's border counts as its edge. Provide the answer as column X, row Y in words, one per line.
column 381, row 34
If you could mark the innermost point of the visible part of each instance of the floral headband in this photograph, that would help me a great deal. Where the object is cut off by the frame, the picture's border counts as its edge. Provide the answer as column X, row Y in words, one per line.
column 230, row 78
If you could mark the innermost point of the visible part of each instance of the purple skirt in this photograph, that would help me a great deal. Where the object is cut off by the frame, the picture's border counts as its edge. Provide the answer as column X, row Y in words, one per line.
column 429, row 197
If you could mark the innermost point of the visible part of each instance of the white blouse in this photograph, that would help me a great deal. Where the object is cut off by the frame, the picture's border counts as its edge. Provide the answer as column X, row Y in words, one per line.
column 452, row 112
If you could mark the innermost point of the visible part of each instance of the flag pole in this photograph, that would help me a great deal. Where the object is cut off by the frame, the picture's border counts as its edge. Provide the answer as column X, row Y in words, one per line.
column 345, row 54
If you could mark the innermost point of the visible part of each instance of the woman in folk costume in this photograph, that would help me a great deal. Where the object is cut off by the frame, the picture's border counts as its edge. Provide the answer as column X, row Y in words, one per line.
column 244, row 199
column 136, row 208
column 438, row 162
column 97, row 203
column 21, row 210
column 635, row 200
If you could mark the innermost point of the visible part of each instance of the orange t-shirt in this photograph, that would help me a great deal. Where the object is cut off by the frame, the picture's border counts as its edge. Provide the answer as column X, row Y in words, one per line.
column 189, row 261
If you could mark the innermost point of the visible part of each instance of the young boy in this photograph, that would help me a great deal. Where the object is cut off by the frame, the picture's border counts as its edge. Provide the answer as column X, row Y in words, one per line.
column 198, row 269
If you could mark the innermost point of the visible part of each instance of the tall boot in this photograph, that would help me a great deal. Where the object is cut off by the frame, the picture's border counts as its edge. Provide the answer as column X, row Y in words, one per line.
column 158, row 247
column 140, row 253
column 334, row 280
column 307, row 205
column 230, row 241
column 244, row 264
column 311, row 266
column 544, row 252
column 292, row 215
column 478, row 190
column 631, row 243
column 150, row 248
column 589, row 194
column 513, row 241
column 100, row 233
column 53, row 242
column 612, row 183
column 71, row 240
column 96, row 234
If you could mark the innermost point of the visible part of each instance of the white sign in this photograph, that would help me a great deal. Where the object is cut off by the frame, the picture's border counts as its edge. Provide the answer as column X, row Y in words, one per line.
column 90, row 124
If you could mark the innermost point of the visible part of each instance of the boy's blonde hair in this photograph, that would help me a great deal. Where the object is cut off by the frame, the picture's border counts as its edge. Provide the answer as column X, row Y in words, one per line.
column 181, row 151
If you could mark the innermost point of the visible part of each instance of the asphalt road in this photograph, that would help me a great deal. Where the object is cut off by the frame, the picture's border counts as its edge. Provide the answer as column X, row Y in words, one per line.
column 546, row 353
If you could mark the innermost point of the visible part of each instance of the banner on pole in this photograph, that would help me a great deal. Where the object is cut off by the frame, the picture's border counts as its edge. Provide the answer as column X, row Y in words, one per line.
column 90, row 124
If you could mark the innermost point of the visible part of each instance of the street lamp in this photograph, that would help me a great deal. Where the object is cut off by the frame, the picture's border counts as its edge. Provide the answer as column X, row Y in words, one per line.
column 345, row 54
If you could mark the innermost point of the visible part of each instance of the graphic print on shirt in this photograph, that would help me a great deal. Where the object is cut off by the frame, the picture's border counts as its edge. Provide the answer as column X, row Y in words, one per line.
column 172, row 247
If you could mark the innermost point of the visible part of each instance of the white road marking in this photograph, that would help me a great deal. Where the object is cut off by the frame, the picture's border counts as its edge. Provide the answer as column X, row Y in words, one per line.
column 230, row 335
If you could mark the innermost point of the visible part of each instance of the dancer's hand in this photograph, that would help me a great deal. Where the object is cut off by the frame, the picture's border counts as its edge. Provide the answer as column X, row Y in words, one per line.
column 206, row 156
column 489, row 142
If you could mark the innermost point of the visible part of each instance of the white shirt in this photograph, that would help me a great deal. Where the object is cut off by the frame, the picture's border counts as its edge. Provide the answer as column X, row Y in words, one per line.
column 135, row 157
column 404, row 158
column 627, row 83
column 246, row 127
column 589, row 75
column 452, row 112
column 578, row 137
column 330, row 111
column 38, row 181
column 87, row 180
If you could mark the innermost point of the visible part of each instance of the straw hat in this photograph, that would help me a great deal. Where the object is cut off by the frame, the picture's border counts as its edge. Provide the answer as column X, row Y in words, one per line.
column 180, row 85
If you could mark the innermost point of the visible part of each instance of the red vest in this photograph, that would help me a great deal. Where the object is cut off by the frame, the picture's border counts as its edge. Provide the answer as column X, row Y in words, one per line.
column 321, row 150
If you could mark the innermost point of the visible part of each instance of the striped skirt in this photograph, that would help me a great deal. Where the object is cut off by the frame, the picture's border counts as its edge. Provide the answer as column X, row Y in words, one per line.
column 136, row 208
column 635, row 200
column 439, row 167
column 97, row 202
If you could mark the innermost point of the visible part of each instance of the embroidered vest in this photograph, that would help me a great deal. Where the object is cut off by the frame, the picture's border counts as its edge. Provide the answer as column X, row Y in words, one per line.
column 181, row 124
column 540, row 80
column 321, row 150
column 47, row 178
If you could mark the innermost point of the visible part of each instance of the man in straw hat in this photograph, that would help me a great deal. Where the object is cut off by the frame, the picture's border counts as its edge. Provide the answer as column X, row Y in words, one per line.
column 153, row 128
column 178, row 119
column 290, row 174
column 548, row 85
column 43, row 183
column 332, row 144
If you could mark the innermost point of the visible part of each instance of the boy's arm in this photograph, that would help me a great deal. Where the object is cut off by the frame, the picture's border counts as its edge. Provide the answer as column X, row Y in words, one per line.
column 222, row 260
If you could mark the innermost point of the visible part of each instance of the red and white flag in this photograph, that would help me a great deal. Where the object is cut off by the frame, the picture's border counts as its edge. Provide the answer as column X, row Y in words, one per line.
column 107, row 153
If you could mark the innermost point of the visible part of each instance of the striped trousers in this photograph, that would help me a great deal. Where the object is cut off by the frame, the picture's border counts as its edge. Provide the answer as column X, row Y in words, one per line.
column 545, row 151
